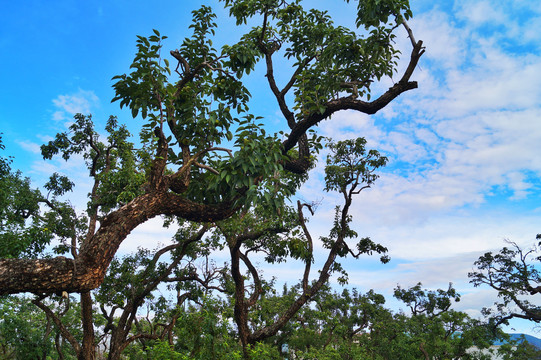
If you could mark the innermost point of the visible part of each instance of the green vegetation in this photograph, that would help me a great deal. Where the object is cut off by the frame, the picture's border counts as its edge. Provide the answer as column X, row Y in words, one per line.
column 346, row 325
column 208, row 166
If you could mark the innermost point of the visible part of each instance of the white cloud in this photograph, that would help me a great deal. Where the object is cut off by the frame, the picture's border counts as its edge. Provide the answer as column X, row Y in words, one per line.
column 443, row 41
column 30, row 146
column 58, row 115
column 496, row 81
column 502, row 20
column 473, row 132
column 530, row 33
column 482, row 12
column 68, row 105
column 519, row 186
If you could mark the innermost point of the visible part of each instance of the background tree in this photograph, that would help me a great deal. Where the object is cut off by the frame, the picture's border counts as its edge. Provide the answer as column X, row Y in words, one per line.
column 434, row 330
column 27, row 332
column 338, row 325
column 521, row 350
column 514, row 274
column 26, row 228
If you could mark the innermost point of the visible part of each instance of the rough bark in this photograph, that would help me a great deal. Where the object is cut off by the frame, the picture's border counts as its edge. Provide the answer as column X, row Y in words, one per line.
column 86, row 272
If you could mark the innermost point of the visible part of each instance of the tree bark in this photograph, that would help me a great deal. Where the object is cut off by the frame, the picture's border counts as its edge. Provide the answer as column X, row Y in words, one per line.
column 240, row 309
column 86, row 272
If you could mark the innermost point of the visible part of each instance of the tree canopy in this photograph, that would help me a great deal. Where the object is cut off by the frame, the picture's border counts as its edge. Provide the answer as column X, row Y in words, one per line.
column 204, row 160
column 203, row 156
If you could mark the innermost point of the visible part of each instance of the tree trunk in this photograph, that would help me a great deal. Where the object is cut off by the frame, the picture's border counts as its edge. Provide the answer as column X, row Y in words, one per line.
column 116, row 345
column 120, row 333
column 240, row 310
column 88, row 350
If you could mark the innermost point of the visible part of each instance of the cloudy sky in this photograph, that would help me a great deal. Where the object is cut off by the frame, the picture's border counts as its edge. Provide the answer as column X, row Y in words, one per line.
column 464, row 147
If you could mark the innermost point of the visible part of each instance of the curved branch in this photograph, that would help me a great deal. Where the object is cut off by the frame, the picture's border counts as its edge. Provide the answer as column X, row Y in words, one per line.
column 280, row 95
column 308, row 264
column 87, row 271
column 257, row 281
column 348, row 103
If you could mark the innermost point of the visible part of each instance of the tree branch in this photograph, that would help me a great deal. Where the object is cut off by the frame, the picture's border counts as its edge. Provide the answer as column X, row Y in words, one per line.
column 59, row 325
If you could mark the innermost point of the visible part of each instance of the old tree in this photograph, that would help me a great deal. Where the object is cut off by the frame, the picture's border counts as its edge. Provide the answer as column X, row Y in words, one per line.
column 203, row 157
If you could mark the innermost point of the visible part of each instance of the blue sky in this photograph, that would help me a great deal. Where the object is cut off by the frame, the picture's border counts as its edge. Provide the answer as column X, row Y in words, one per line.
column 464, row 148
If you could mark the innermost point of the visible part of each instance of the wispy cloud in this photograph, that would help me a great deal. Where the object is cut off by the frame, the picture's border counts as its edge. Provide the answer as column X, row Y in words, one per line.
column 83, row 101
column 68, row 105
column 29, row 146
column 473, row 129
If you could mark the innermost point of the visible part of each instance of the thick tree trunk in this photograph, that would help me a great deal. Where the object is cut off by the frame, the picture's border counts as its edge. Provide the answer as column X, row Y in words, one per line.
column 121, row 331
column 116, row 345
column 86, row 272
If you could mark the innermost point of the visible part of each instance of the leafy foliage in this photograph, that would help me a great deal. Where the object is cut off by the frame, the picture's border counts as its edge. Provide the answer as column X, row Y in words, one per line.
column 112, row 163
column 27, row 333
column 25, row 227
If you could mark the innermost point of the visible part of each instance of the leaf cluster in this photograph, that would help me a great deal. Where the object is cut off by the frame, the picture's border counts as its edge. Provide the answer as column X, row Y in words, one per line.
column 30, row 220
column 428, row 302
column 113, row 163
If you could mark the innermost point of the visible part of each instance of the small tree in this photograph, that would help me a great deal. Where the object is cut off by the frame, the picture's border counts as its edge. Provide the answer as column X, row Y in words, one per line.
column 514, row 274
column 350, row 169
